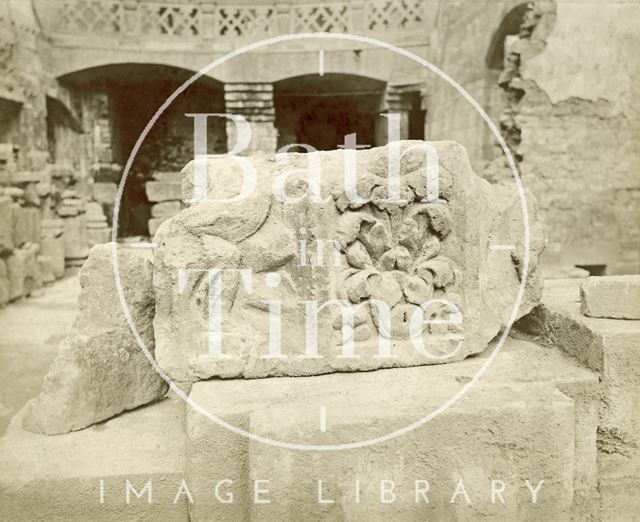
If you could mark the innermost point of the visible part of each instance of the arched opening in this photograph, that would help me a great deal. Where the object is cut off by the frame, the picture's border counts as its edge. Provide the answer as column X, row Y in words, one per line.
column 502, row 66
column 509, row 26
column 321, row 110
column 117, row 103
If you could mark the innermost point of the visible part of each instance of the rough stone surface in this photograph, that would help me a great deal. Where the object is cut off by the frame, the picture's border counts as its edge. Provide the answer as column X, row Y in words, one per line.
column 165, row 208
column 100, row 371
column 401, row 254
column 609, row 346
column 527, row 404
column 616, row 297
column 58, row 478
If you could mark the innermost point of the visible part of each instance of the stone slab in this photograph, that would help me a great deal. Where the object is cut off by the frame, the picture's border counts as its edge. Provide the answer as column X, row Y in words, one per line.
column 615, row 297
column 516, row 411
column 57, row 478
column 163, row 190
column 166, row 209
column 104, row 192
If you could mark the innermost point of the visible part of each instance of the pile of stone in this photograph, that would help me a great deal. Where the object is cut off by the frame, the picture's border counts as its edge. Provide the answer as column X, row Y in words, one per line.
column 46, row 223
column 164, row 191
column 24, row 266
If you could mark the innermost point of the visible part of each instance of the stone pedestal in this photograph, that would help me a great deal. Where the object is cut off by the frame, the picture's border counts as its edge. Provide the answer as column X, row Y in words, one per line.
column 98, row 230
column 52, row 244
column 531, row 418
column 253, row 101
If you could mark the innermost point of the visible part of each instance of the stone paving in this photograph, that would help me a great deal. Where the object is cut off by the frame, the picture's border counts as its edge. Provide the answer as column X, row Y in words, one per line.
column 30, row 332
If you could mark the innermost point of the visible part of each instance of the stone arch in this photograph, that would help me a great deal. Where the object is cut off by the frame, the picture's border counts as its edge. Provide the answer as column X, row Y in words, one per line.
column 116, row 103
column 509, row 26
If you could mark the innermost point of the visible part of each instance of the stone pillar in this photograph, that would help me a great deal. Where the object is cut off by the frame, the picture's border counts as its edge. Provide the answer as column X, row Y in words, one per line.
column 253, row 101
column 394, row 101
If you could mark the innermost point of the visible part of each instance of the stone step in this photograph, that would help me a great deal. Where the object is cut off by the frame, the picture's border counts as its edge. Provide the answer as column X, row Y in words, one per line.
column 531, row 417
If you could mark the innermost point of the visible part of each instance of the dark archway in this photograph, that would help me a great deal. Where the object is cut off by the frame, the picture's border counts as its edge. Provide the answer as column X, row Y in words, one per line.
column 117, row 103
column 509, row 26
column 321, row 110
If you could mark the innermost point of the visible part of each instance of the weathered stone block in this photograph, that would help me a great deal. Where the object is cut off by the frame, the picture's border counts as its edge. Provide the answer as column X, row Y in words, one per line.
column 45, row 270
column 76, row 243
column 163, row 190
column 104, row 193
column 4, row 284
column 608, row 346
column 58, row 478
column 32, row 218
column 100, row 370
column 20, row 225
column 402, row 255
column 165, row 209
column 525, row 413
column 22, row 271
column 166, row 176
column 6, row 225
column 615, row 297
column 52, row 244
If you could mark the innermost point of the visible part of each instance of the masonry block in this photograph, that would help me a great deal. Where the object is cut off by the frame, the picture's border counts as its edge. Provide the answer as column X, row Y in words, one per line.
column 611, row 347
column 163, row 190
column 6, row 225
column 58, row 478
column 616, row 297
column 490, row 434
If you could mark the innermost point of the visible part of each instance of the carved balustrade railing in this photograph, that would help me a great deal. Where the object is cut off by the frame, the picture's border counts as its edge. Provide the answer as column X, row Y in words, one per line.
column 207, row 19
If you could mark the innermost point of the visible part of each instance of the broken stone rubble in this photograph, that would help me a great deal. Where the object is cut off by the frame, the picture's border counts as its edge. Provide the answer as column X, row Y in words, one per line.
column 100, row 370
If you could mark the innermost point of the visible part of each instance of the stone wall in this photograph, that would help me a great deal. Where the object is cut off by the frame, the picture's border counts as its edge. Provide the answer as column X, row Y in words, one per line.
column 563, row 101
column 43, row 166
column 580, row 128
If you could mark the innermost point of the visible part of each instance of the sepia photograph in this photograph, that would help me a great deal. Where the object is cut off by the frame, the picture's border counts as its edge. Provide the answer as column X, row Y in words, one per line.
column 319, row 260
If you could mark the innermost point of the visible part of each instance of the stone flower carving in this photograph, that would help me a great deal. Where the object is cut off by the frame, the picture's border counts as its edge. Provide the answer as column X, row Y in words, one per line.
column 393, row 253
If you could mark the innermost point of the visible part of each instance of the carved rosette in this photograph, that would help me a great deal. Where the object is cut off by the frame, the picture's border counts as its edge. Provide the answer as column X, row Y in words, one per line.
column 394, row 253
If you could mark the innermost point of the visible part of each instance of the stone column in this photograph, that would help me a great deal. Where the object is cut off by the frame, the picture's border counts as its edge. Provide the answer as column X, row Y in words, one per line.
column 394, row 101
column 253, row 101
